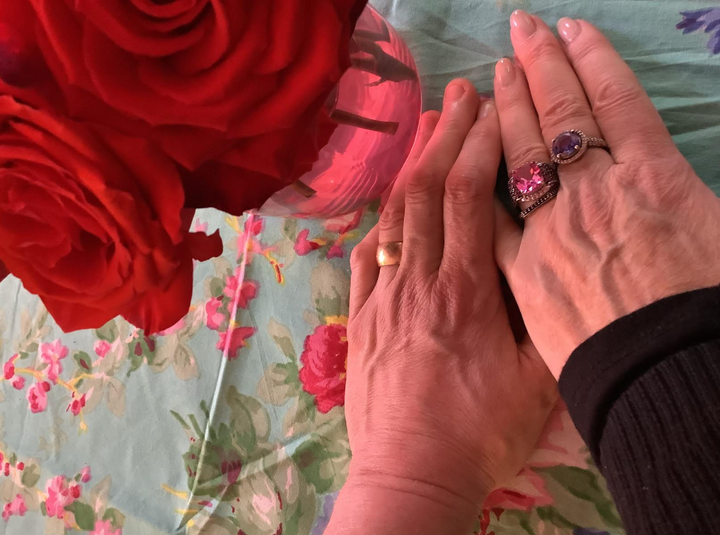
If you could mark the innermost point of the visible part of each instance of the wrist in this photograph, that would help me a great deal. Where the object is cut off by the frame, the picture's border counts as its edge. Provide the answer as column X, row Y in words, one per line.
column 436, row 470
column 374, row 503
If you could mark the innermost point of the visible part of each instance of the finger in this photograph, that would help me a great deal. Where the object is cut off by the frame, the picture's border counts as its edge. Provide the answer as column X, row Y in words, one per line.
column 425, row 186
column 626, row 115
column 508, row 238
column 365, row 271
column 391, row 220
column 468, row 205
column 521, row 134
column 558, row 96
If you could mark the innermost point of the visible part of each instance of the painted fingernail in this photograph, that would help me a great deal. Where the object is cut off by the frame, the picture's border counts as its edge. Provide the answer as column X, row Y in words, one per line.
column 522, row 24
column 568, row 29
column 487, row 108
column 505, row 72
column 454, row 92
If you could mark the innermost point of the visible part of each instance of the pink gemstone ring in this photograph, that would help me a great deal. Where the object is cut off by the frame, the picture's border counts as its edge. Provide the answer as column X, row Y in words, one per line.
column 533, row 182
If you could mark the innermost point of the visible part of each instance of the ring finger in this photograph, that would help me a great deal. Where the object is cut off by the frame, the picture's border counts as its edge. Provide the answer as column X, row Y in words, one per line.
column 390, row 225
column 521, row 134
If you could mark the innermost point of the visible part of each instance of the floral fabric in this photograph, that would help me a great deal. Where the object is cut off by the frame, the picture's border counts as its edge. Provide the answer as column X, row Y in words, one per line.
column 231, row 422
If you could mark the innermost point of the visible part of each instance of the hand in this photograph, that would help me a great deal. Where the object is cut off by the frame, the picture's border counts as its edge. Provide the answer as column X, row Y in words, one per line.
column 442, row 403
column 628, row 227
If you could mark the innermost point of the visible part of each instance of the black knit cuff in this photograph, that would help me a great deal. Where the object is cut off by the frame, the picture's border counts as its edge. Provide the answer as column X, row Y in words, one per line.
column 606, row 364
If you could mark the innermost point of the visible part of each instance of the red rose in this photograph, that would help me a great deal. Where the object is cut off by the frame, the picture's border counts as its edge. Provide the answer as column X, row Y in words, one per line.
column 324, row 362
column 241, row 82
column 90, row 220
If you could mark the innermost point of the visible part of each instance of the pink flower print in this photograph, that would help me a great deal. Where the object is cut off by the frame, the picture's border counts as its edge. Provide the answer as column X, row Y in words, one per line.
column 237, row 340
column 303, row 246
column 52, row 354
column 200, row 226
column 16, row 507
column 102, row 348
column 335, row 252
column 76, row 405
column 9, row 368
column 18, row 382
column 104, row 527
column 231, row 284
column 525, row 492
column 85, row 474
column 60, row 495
column 248, row 292
column 256, row 227
column 37, row 396
column 214, row 318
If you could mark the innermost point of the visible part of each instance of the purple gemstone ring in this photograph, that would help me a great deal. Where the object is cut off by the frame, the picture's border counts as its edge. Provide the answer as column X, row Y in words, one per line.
column 571, row 145
column 533, row 182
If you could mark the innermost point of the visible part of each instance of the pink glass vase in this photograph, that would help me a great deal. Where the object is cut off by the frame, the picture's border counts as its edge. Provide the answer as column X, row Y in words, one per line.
column 377, row 106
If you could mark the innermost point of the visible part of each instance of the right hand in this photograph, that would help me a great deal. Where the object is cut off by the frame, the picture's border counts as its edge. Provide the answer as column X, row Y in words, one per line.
column 627, row 228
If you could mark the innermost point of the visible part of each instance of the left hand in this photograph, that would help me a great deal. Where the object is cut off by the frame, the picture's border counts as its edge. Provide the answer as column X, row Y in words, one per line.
column 442, row 402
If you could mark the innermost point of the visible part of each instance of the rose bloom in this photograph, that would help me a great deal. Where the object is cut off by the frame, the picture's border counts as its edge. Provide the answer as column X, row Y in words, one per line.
column 233, row 90
column 90, row 220
column 324, row 360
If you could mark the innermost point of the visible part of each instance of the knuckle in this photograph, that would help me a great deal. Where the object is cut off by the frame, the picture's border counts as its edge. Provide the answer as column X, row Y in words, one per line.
column 462, row 185
column 615, row 96
column 391, row 218
column 358, row 257
column 545, row 49
column 563, row 109
column 424, row 184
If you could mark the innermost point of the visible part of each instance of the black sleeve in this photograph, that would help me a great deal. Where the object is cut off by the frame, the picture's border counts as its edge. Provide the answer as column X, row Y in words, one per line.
column 644, row 394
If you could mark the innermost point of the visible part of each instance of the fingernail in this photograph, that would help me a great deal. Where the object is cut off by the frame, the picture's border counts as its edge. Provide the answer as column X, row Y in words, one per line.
column 487, row 108
column 505, row 72
column 522, row 24
column 454, row 92
column 568, row 28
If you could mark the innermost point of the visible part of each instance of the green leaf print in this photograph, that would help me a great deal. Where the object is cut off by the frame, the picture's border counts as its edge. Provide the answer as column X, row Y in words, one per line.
column 84, row 515
column 585, row 485
column 31, row 475
column 83, row 361
column 279, row 384
column 323, row 461
column 282, row 338
column 249, row 420
column 116, row 518
column 108, row 332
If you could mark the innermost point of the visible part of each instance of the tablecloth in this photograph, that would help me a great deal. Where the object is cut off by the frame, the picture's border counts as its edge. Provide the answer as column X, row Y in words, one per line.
column 231, row 422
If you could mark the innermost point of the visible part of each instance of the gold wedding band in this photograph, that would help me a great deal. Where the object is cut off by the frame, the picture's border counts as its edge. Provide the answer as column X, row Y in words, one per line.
column 389, row 254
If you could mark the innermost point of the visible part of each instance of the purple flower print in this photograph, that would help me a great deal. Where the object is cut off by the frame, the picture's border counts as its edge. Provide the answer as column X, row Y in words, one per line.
column 709, row 19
